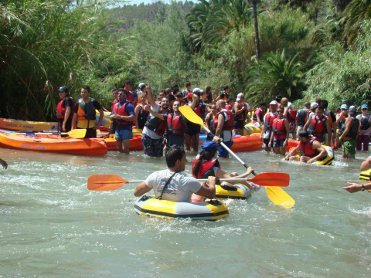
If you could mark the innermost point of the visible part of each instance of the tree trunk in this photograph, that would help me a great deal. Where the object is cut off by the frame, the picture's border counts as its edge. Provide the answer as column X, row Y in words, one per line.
column 256, row 28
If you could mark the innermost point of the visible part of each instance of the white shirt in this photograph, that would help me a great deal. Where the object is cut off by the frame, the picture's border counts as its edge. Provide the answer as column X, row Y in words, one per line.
column 180, row 188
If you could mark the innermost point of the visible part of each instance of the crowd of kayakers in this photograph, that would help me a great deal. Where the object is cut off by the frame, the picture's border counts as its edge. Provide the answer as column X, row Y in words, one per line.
column 163, row 125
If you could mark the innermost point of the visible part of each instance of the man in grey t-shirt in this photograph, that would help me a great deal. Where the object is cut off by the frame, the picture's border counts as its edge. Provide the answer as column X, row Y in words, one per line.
column 173, row 184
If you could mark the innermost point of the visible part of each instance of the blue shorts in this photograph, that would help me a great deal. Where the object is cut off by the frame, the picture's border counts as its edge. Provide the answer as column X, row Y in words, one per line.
column 123, row 134
column 278, row 143
column 223, row 152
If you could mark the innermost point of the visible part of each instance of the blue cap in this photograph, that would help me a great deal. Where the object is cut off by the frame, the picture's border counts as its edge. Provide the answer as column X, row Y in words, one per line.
column 344, row 106
column 364, row 106
column 209, row 146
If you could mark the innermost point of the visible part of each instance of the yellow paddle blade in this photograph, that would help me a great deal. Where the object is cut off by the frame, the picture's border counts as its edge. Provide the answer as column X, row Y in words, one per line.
column 77, row 133
column 190, row 115
column 279, row 197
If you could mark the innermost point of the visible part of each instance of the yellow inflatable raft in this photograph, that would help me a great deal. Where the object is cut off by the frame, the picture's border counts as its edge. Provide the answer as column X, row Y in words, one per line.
column 236, row 191
column 209, row 210
column 329, row 158
column 252, row 128
column 365, row 175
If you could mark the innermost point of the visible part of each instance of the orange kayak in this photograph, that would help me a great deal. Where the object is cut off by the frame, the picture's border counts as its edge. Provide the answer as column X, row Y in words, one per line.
column 247, row 143
column 135, row 143
column 19, row 125
column 57, row 145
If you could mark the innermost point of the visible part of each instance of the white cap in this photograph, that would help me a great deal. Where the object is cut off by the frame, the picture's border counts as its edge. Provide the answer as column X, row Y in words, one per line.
column 239, row 96
column 273, row 102
column 197, row 90
column 141, row 85
column 313, row 105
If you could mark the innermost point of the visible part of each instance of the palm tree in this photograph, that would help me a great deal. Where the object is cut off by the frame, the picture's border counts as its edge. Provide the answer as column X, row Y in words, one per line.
column 275, row 74
column 354, row 14
column 210, row 21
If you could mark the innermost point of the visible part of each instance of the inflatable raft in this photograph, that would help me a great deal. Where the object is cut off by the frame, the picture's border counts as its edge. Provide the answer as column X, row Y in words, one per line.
column 236, row 191
column 57, row 145
column 328, row 159
column 365, row 175
column 253, row 128
column 27, row 126
column 209, row 210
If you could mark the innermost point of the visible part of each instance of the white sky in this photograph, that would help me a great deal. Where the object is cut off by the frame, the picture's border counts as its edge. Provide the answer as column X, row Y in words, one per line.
column 147, row 1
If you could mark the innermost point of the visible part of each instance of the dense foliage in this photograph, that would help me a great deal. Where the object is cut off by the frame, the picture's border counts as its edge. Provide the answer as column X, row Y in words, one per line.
column 308, row 49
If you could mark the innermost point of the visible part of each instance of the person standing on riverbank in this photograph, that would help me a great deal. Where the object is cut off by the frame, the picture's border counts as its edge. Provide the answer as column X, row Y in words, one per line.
column 84, row 113
column 64, row 109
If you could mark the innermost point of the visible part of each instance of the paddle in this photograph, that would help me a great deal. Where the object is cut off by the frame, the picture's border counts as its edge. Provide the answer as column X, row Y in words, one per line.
column 277, row 195
column 75, row 133
column 104, row 182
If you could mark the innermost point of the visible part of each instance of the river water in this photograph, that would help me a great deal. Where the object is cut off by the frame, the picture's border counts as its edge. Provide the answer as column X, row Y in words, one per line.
column 52, row 226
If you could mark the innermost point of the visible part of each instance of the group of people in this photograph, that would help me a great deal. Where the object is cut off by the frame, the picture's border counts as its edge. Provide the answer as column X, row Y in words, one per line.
column 314, row 125
column 164, row 126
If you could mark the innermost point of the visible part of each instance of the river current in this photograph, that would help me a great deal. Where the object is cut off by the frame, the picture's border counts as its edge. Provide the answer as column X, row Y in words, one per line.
column 52, row 226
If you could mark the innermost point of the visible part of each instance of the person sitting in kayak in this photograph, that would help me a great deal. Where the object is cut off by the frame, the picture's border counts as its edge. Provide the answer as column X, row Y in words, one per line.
column 173, row 184
column 310, row 149
column 206, row 164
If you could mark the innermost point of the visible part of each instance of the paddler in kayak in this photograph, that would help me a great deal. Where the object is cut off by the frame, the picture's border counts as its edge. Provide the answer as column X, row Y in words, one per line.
column 206, row 164
column 174, row 184
column 309, row 148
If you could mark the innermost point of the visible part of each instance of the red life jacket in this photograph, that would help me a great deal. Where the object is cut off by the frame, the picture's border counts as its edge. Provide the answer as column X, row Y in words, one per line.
column 207, row 168
column 228, row 125
column 268, row 120
column 175, row 124
column 279, row 129
column 61, row 109
column 113, row 104
column 319, row 125
column 121, row 110
column 307, row 150
column 291, row 115
column 156, row 125
column 200, row 110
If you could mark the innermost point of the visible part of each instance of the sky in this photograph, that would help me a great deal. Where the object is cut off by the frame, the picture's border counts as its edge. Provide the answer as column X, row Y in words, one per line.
column 147, row 1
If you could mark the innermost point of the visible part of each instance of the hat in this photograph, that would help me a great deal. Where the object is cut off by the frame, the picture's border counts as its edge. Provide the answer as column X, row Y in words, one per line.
column 196, row 90
column 278, row 98
column 209, row 146
column 352, row 110
column 290, row 106
column 304, row 133
column 63, row 89
column 344, row 106
column 364, row 106
column 313, row 105
column 239, row 96
column 273, row 102
column 141, row 85
column 179, row 94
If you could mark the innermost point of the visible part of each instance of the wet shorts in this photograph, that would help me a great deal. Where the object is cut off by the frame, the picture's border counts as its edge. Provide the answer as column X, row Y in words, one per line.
column 349, row 147
column 152, row 147
column 123, row 134
column 192, row 129
column 278, row 143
